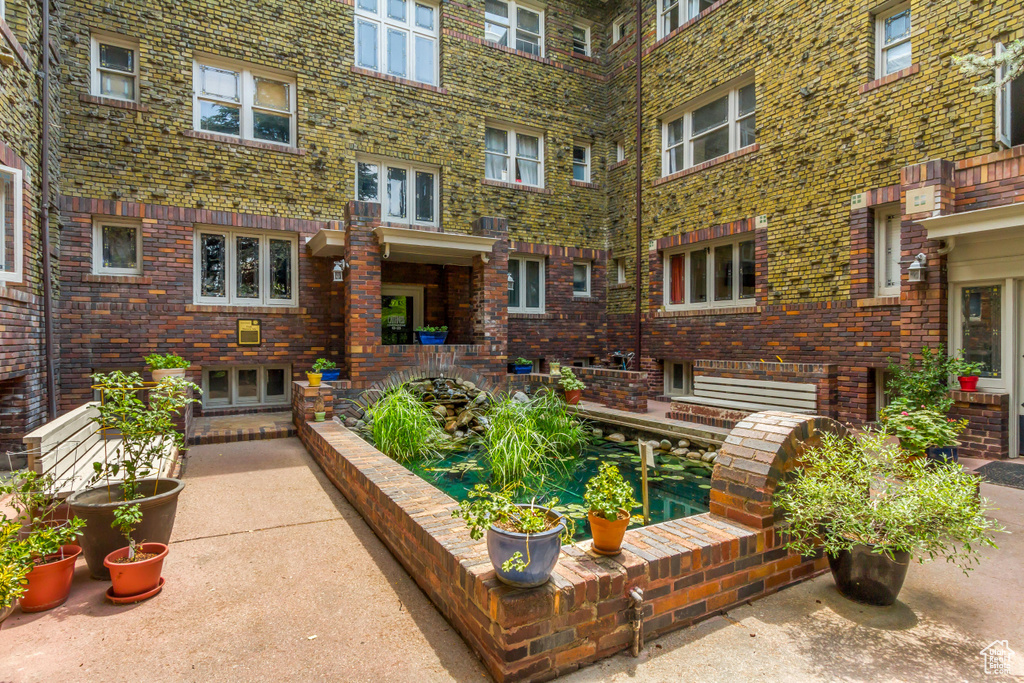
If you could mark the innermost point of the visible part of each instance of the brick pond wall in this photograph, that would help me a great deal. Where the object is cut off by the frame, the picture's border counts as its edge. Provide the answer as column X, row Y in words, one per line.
column 622, row 389
column 988, row 423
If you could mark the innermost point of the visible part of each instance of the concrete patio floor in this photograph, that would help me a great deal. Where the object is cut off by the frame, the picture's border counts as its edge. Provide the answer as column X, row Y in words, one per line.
column 267, row 554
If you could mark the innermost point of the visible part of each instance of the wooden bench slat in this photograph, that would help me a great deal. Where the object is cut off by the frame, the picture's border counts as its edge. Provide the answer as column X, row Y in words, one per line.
column 750, row 383
column 757, row 398
column 739, row 391
column 737, row 405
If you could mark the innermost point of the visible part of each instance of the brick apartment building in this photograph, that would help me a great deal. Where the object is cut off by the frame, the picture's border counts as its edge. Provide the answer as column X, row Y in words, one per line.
column 473, row 164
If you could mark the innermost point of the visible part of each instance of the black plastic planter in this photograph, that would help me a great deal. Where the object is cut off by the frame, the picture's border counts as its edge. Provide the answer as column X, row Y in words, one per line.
column 871, row 578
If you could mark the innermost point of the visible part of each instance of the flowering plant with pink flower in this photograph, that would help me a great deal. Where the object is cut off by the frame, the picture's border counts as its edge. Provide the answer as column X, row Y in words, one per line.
column 920, row 427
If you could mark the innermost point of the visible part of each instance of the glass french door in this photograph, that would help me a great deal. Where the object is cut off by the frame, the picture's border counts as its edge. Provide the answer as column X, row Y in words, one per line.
column 401, row 312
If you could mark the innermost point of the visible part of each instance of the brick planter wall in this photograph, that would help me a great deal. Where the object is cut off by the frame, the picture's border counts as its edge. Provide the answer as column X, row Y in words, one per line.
column 622, row 389
column 988, row 427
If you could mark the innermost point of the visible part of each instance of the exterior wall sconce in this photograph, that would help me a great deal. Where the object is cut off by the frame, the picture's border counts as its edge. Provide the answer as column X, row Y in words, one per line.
column 339, row 270
column 511, row 282
column 916, row 271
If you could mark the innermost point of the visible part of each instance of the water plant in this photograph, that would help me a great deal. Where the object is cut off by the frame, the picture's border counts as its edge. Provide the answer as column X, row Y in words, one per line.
column 403, row 428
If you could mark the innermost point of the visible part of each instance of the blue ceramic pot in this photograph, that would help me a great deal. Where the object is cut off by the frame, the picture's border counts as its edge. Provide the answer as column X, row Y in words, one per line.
column 542, row 552
column 330, row 375
column 432, row 338
column 944, row 453
column 523, row 369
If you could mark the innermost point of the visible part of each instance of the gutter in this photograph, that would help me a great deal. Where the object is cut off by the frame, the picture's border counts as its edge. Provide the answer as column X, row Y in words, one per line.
column 44, row 218
column 638, row 32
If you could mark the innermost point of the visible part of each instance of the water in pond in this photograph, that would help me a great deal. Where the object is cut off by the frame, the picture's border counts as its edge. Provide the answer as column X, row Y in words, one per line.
column 678, row 487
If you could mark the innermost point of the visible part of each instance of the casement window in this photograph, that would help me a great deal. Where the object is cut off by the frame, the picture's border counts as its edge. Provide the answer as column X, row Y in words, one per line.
column 246, row 268
column 719, row 275
column 725, row 124
column 514, row 156
column 514, row 25
column 243, row 102
column 888, row 224
column 620, row 150
column 581, row 278
column 11, row 231
column 581, row 163
column 678, row 378
column 620, row 271
column 527, row 292
column 398, row 38
column 246, row 386
column 675, row 13
column 618, row 29
column 1009, row 108
column 115, row 68
column 407, row 193
column 581, row 40
column 892, row 40
column 116, row 247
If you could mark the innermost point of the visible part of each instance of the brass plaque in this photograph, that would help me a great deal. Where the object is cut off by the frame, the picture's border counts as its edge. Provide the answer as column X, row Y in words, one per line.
column 249, row 332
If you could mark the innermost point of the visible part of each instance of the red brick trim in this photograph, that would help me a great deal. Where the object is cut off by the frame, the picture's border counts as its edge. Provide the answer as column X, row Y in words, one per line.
column 714, row 232
column 749, row 149
column 214, row 137
column 978, row 397
column 621, row 285
column 584, row 58
column 531, row 316
column 400, row 81
column 891, row 78
column 879, row 301
column 589, row 186
column 890, row 194
column 618, row 164
column 19, row 295
column 581, row 253
column 695, row 312
column 685, row 25
column 13, row 42
column 985, row 159
column 276, row 310
column 111, row 102
column 516, row 186
column 118, row 279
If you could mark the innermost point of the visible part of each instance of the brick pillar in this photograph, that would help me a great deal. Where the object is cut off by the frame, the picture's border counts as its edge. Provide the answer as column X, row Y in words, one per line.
column 489, row 289
column 361, row 289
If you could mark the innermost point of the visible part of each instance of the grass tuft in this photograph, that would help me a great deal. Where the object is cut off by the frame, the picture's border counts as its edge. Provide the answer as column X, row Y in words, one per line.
column 404, row 429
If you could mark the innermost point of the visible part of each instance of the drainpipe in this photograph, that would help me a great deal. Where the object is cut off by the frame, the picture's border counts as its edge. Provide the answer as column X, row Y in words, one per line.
column 44, row 219
column 639, row 180
column 637, row 596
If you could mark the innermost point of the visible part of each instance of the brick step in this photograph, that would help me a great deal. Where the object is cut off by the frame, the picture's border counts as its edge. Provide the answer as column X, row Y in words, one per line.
column 248, row 427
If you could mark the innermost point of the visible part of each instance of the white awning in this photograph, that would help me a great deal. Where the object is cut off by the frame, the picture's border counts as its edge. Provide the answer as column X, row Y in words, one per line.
column 975, row 222
column 327, row 243
column 424, row 246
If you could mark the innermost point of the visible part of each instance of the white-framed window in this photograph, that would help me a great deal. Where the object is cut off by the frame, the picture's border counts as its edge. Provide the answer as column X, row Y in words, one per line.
column 678, row 378
column 619, row 29
column 978, row 317
column 245, row 268
column 675, row 13
column 243, row 102
column 715, row 275
column 581, row 39
column 115, row 67
column 892, row 40
column 724, row 122
column 398, row 38
column 12, row 236
column 407, row 193
column 116, row 246
column 620, row 271
column 527, row 293
column 1009, row 108
column 581, row 162
column 514, row 155
column 581, row 278
column 247, row 385
column 882, row 398
column 620, row 150
column 888, row 226
column 516, row 25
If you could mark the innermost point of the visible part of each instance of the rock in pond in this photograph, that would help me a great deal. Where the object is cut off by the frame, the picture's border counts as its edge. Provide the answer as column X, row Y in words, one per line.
column 665, row 445
column 440, row 411
column 597, row 432
column 520, row 397
column 709, row 456
column 350, row 421
column 616, row 437
column 683, row 443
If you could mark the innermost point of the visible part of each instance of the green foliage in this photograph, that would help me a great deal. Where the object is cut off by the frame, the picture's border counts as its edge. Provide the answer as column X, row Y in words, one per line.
column 322, row 364
column 403, row 427
column 569, row 381
column 13, row 567
column 607, row 493
column 918, row 427
column 1011, row 61
column 442, row 328
column 171, row 361
column 522, row 361
column 126, row 518
column 923, row 380
column 861, row 490
column 959, row 367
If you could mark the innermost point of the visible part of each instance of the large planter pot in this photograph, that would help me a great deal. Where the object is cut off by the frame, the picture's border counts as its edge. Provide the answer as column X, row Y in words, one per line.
column 432, row 338
column 573, row 397
column 136, row 578
column 50, row 584
column 943, row 453
column 540, row 549
column 523, row 369
column 871, row 578
column 159, row 375
column 330, row 375
column 96, row 506
column 607, row 533
column 314, row 378
column 968, row 383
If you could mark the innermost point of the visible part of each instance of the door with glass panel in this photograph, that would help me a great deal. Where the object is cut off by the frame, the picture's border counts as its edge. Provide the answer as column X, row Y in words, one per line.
column 401, row 309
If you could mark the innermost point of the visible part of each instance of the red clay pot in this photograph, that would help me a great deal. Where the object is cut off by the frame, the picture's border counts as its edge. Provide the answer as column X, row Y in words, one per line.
column 573, row 397
column 49, row 585
column 608, row 533
column 968, row 383
column 135, row 578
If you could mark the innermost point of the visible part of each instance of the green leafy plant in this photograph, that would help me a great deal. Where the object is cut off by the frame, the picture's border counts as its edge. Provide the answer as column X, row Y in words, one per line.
column 607, row 493
column 919, row 427
column 861, row 490
column 923, row 380
column 322, row 364
column 403, row 428
column 442, row 328
column 126, row 518
column 522, row 361
column 170, row 361
column 569, row 381
column 14, row 565
column 1011, row 61
column 960, row 367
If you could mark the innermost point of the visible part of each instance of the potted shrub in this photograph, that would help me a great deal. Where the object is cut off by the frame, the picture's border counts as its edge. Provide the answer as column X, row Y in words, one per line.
column 325, row 370
column 923, row 431
column 873, row 510
column 134, row 569
column 523, row 541
column 13, row 568
column 923, row 380
column 131, row 474
column 432, row 336
column 522, row 366
column 966, row 373
column 572, row 385
column 169, row 365
column 610, row 498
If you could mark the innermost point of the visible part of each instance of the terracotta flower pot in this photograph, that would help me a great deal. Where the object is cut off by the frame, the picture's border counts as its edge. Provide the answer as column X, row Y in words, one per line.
column 50, row 584
column 573, row 397
column 158, row 375
column 968, row 383
column 608, row 533
column 135, row 578
column 314, row 378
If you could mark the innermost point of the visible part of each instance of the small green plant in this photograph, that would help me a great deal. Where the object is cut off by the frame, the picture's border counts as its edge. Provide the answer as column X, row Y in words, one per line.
column 322, row 364
column 442, row 328
column 14, row 566
column 126, row 518
column 607, row 493
column 920, row 427
column 923, row 380
column 403, row 428
column 569, row 381
column 522, row 361
column 960, row 367
column 170, row 361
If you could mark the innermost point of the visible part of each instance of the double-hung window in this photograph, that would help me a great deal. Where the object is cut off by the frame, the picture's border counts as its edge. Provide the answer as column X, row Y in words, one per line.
column 116, row 247
column 581, row 278
column 115, row 68
column 887, row 252
column 620, row 271
column 407, row 193
column 243, row 102
column 245, row 268
column 527, row 292
column 581, row 40
column 514, row 25
column 581, row 163
column 1009, row 108
column 725, row 124
column 675, row 13
column 514, row 156
column 618, row 29
column 722, row 274
column 11, row 235
column 620, row 150
column 892, row 40
column 398, row 38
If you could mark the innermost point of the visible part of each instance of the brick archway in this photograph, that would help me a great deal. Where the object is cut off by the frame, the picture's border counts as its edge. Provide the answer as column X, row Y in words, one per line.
column 431, row 370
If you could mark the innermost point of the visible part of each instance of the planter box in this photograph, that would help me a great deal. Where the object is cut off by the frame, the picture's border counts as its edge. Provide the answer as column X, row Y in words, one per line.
column 522, row 369
column 330, row 375
column 431, row 338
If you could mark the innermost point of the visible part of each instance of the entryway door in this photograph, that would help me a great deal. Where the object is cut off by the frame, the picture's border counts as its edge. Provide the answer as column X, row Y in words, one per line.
column 401, row 312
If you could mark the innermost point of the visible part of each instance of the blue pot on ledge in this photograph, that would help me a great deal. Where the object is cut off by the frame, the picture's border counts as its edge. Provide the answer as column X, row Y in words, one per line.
column 542, row 549
column 432, row 338
column 330, row 375
column 523, row 369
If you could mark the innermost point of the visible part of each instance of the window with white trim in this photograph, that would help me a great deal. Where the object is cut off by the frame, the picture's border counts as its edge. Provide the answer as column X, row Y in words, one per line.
column 581, row 278
column 892, row 40
column 246, row 268
column 11, row 232
column 1009, row 108
column 620, row 150
column 116, row 246
column 514, row 25
column 725, row 124
column 243, row 102
column 407, row 193
column 675, row 13
column 514, row 156
column 678, row 378
column 115, row 67
column 527, row 292
column 581, row 163
column 620, row 271
column 398, row 38
column 711, row 276
column 581, row 39
column 246, row 385
column 888, row 225
column 618, row 29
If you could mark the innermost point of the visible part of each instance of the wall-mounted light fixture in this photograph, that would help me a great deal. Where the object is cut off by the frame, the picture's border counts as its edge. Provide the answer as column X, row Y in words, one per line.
column 339, row 270
column 916, row 271
column 511, row 282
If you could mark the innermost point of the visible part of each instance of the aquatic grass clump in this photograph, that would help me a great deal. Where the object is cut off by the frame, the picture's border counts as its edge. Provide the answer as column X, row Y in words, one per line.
column 403, row 427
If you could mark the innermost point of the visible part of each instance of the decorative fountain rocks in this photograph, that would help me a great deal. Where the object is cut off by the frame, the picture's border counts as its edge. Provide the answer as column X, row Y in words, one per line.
column 458, row 403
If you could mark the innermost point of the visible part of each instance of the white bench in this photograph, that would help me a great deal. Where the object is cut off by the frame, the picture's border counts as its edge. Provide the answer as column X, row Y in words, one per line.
column 752, row 395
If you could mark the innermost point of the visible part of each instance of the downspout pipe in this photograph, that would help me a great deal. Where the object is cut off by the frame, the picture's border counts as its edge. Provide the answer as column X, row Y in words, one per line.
column 44, row 218
column 638, row 331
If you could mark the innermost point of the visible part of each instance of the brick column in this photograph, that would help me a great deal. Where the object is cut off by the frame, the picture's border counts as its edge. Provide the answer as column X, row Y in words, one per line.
column 361, row 290
column 489, row 288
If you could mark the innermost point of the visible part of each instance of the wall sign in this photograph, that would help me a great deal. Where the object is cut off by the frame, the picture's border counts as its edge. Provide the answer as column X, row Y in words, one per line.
column 249, row 332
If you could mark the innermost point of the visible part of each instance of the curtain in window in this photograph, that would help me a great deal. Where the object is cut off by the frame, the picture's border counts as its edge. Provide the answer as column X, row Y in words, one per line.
column 676, row 279
column 527, row 159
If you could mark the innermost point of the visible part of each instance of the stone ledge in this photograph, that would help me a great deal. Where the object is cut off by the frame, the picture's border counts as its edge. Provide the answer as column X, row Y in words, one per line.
column 879, row 301
column 979, row 397
column 112, row 102
column 711, row 163
column 618, row 165
column 274, row 310
column 12, row 292
column 118, row 279
column 695, row 312
column 891, row 78
column 580, row 183
column 399, row 81
column 516, row 186
column 253, row 144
